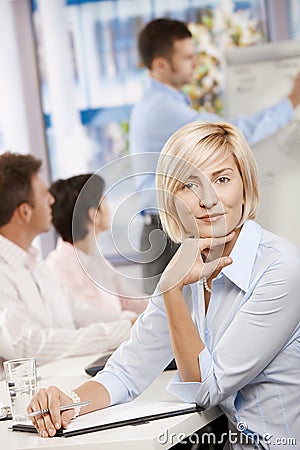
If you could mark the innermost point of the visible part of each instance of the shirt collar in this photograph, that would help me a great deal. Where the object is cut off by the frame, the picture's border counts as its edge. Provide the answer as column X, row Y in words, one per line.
column 64, row 246
column 15, row 256
column 158, row 85
column 68, row 249
column 69, row 253
column 243, row 255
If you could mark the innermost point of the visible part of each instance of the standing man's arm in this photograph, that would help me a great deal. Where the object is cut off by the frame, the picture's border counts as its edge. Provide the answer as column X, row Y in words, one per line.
column 269, row 120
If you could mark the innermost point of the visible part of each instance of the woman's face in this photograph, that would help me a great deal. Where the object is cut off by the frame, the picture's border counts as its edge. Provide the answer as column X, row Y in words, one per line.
column 210, row 202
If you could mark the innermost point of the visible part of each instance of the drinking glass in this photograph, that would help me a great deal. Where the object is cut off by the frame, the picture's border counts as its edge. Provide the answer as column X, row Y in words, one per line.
column 21, row 382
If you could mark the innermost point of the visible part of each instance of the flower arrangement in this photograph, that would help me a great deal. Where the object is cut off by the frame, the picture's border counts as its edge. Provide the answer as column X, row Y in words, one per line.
column 219, row 28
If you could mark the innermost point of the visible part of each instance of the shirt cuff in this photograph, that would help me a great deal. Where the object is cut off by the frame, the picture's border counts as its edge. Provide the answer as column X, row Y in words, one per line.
column 287, row 109
column 194, row 392
column 117, row 391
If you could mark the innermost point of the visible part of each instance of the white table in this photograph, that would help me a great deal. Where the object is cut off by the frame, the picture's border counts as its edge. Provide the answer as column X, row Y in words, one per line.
column 158, row 434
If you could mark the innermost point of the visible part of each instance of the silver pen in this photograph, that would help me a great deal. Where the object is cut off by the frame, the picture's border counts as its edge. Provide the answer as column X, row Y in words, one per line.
column 61, row 408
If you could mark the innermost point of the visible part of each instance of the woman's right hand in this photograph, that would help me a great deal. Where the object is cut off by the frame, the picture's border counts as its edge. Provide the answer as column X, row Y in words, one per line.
column 187, row 265
column 51, row 398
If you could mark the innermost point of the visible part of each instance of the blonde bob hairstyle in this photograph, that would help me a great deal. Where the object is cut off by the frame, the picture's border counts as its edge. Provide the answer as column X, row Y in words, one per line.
column 196, row 146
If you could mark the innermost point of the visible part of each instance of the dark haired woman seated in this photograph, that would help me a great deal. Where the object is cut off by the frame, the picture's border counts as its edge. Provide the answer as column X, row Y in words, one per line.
column 80, row 213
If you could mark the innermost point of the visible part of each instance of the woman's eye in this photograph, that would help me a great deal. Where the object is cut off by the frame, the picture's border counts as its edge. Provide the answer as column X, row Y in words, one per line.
column 223, row 180
column 190, row 185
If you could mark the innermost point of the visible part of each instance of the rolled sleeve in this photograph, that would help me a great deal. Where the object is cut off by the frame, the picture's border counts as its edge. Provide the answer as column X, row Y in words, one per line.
column 286, row 108
column 195, row 391
column 117, row 390
column 266, row 122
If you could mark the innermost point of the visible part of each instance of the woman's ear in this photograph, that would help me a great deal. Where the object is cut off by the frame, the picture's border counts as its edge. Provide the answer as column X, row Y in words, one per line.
column 92, row 214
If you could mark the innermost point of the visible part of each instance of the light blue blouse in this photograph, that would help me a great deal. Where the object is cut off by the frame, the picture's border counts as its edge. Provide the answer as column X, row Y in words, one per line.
column 250, row 365
column 162, row 110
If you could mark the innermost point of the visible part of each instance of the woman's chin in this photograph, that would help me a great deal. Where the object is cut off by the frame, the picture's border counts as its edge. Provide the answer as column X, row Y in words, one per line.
column 213, row 232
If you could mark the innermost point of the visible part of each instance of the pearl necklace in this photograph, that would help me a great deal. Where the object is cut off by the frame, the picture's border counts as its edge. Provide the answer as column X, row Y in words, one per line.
column 205, row 284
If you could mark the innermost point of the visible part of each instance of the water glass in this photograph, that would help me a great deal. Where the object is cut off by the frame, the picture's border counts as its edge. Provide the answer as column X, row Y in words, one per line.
column 21, row 382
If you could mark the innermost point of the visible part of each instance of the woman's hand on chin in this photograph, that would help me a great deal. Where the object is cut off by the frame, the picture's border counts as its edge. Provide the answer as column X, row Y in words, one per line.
column 187, row 265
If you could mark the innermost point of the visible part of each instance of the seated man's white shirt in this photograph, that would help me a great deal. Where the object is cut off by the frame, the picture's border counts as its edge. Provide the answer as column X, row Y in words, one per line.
column 39, row 318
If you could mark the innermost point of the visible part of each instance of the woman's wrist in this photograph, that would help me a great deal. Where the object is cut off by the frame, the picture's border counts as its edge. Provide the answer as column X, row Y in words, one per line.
column 75, row 399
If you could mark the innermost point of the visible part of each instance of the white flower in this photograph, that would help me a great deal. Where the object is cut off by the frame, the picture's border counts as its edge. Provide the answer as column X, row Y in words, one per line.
column 228, row 28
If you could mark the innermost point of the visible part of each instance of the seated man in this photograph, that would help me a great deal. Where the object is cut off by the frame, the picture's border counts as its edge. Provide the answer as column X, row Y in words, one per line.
column 38, row 317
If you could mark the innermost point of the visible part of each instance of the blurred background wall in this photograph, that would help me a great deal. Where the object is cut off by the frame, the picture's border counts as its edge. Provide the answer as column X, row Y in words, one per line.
column 70, row 74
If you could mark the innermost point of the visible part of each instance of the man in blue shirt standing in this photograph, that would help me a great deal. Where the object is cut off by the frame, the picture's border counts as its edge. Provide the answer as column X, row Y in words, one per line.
column 167, row 50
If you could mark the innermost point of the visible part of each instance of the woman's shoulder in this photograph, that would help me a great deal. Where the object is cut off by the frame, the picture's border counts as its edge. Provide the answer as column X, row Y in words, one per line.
column 262, row 251
column 280, row 245
column 63, row 254
column 280, row 257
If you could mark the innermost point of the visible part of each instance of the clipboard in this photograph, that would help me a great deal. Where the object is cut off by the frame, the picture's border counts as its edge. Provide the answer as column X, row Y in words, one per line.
column 131, row 413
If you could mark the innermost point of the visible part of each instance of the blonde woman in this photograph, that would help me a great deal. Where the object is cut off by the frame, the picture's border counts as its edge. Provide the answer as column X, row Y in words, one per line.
column 227, row 306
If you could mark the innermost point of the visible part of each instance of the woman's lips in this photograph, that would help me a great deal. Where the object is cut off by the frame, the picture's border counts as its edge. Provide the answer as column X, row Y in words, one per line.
column 211, row 218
